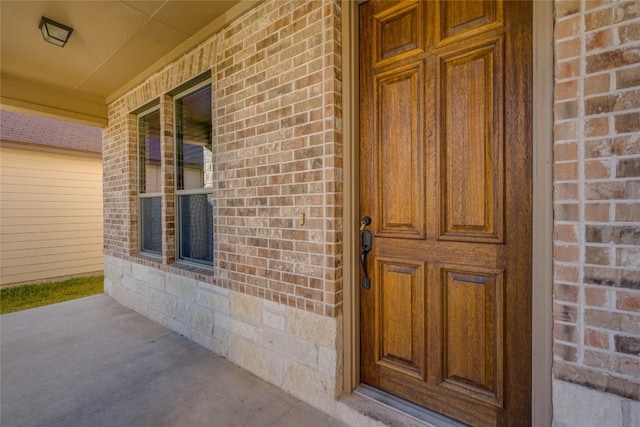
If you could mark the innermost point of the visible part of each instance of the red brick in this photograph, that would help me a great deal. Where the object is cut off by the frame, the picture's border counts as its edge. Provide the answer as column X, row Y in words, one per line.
column 628, row 300
column 599, row 40
column 565, row 69
column 566, row 273
column 565, row 233
column 628, row 168
column 599, row 19
column 628, row 78
column 565, row 332
column 620, row 146
column 596, row 169
column 568, row 49
column 596, row 127
column 566, row 7
column 596, row 297
column 567, row 27
column 568, row 353
column 609, row 190
column 566, row 212
column 612, row 59
column 597, row 255
column 627, row 10
column 566, row 90
column 629, row 33
column 565, row 131
column 594, row 338
column 597, row 212
column 625, row 123
column 628, row 212
column 564, row 292
column 565, row 171
column 597, row 84
column 563, row 152
column 564, row 192
column 564, row 253
column 566, row 110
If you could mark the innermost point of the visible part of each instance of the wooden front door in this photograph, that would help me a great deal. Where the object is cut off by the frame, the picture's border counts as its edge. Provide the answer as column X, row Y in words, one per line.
column 446, row 179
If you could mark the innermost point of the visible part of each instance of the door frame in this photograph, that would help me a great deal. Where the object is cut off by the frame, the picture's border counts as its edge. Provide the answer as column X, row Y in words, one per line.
column 542, row 263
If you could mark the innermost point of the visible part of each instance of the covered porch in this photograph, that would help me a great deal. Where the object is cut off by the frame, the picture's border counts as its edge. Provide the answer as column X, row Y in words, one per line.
column 93, row 362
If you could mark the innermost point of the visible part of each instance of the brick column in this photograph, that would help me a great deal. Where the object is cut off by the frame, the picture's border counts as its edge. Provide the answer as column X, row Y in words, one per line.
column 597, row 195
column 167, row 171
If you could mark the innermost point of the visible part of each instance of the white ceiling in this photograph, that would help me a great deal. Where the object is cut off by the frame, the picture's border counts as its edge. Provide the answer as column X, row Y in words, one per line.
column 113, row 44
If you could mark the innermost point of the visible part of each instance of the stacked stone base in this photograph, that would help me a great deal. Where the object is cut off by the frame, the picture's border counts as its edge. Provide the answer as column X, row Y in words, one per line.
column 574, row 405
column 296, row 350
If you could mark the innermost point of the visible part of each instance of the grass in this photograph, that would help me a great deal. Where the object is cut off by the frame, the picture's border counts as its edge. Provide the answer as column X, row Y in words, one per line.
column 30, row 296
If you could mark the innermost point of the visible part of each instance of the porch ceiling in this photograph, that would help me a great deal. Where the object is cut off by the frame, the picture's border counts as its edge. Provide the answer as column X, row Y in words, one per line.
column 114, row 46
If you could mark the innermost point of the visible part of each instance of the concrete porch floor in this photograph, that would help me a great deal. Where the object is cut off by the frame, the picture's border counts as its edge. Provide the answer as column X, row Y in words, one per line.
column 92, row 362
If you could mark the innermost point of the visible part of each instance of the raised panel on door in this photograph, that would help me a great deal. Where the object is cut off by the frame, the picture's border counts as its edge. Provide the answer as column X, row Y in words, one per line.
column 471, row 143
column 472, row 327
column 397, row 32
column 400, row 315
column 464, row 18
column 399, row 151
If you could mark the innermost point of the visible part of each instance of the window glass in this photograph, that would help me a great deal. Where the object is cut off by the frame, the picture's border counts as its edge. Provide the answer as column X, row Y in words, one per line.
column 196, row 227
column 151, row 222
column 149, row 152
column 149, row 182
column 193, row 140
column 194, row 176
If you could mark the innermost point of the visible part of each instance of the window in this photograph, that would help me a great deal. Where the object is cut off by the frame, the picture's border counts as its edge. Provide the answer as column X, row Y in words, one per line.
column 149, row 190
column 194, row 175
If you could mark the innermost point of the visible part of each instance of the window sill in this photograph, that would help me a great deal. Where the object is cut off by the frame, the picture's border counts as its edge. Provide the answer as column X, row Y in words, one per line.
column 179, row 268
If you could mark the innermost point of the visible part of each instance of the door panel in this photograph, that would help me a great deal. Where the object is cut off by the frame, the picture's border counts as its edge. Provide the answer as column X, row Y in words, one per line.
column 399, row 156
column 473, row 310
column 400, row 325
column 397, row 32
column 445, row 172
column 463, row 18
column 471, row 136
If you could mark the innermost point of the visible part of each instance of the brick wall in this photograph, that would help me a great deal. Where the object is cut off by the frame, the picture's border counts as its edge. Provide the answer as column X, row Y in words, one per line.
column 277, row 156
column 597, row 195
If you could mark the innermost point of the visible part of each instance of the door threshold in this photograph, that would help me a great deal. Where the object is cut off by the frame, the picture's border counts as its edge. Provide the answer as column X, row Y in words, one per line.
column 418, row 413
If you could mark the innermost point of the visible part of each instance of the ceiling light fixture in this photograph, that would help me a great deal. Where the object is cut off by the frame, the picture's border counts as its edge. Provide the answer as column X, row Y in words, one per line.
column 54, row 32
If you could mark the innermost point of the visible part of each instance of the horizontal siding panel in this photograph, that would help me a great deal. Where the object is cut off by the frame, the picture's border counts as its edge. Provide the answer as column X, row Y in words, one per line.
column 45, row 228
column 35, row 276
column 12, row 246
column 31, row 221
column 61, row 237
column 49, row 182
column 89, row 175
column 82, row 262
column 76, row 216
column 55, row 206
column 55, row 257
column 48, row 189
column 52, row 215
column 44, row 216
column 9, row 256
column 21, row 196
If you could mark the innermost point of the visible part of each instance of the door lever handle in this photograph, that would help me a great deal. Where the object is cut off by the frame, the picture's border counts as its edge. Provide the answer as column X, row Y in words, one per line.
column 363, row 261
column 366, row 241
